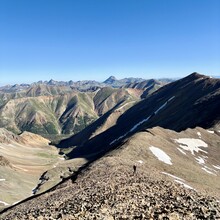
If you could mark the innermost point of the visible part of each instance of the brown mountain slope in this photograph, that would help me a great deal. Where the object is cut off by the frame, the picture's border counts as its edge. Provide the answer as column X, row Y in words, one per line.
column 179, row 187
column 23, row 158
column 60, row 112
column 148, row 86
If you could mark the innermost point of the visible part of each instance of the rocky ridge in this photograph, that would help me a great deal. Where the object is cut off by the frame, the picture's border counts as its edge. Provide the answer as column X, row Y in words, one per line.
column 119, row 193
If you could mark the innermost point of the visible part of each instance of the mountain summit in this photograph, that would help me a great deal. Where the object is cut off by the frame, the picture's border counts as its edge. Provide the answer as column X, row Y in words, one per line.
column 110, row 80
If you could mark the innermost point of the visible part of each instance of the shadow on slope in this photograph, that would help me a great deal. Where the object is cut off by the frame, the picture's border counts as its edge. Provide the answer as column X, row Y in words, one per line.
column 187, row 103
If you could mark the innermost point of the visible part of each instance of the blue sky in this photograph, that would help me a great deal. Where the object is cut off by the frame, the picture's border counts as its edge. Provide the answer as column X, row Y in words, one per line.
column 93, row 39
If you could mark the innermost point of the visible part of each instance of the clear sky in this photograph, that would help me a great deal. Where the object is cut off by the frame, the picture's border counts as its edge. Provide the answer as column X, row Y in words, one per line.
column 93, row 39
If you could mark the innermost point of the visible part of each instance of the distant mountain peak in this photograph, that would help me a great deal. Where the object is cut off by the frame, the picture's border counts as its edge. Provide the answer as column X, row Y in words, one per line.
column 110, row 80
column 52, row 82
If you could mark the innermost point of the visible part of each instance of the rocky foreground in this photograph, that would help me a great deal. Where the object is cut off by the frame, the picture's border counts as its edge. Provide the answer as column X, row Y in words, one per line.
column 110, row 189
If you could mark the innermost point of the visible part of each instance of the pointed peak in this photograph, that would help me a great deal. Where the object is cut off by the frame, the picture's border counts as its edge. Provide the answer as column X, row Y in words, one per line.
column 110, row 80
column 196, row 75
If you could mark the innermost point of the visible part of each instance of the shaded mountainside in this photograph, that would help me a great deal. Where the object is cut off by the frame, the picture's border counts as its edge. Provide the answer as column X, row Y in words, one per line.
column 187, row 103
column 57, row 111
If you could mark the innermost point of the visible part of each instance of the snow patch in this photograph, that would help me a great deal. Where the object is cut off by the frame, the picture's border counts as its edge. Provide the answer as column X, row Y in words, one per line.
column 2, row 179
column 140, row 161
column 61, row 158
column 4, row 203
column 161, row 155
column 162, row 106
column 16, row 202
column 200, row 160
column 178, row 180
column 132, row 129
column 119, row 138
column 217, row 167
column 208, row 171
column 138, row 124
column 191, row 144
column 211, row 132
column 199, row 134
column 184, row 184
column 175, row 177
column 181, row 151
column 141, row 122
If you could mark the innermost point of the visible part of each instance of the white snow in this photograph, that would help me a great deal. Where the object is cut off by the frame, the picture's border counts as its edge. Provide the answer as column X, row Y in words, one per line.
column 217, row 167
column 4, row 203
column 140, row 161
column 178, row 180
column 181, row 151
column 16, row 202
column 175, row 177
column 141, row 122
column 2, row 179
column 191, row 144
column 162, row 106
column 132, row 129
column 171, row 98
column 184, row 184
column 208, row 171
column 119, row 138
column 200, row 160
column 138, row 124
column 61, row 158
column 211, row 132
column 161, row 155
column 199, row 134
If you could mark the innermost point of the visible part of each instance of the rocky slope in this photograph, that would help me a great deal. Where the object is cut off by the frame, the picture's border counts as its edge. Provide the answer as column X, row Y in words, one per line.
column 110, row 188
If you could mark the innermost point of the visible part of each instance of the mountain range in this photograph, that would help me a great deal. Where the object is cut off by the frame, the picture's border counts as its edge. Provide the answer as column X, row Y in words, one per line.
column 83, row 85
column 152, row 156
column 55, row 108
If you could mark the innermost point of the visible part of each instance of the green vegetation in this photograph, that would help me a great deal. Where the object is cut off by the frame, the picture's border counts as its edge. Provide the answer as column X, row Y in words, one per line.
column 50, row 127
